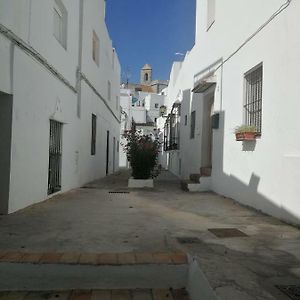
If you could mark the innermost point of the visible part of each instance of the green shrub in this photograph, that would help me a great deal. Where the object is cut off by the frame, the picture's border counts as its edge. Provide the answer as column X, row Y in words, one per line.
column 142, row 153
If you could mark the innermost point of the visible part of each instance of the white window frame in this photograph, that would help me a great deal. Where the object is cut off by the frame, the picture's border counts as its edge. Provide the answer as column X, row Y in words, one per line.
column 109, row 90
column 95, row 48
column 60, row 30
column 211, row 13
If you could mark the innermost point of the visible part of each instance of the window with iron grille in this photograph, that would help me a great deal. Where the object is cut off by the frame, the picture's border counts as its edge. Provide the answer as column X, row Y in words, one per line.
column 193, row 124
column 94, row 132
column 253, row 97
column 55, row 155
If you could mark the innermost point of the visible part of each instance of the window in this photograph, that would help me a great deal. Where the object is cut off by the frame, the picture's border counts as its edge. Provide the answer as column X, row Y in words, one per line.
column 211, row 10
column 117, row 103
column 109, row 90
column 94, row 132
column 155, row 121
column 146, row 77
column 113, row 58
column 185, row 120
column 60, row 22
column 55, row 157
column 253, row 97
column 95, row 48
column 156, row 105
column 118, row 146
column 193, row 124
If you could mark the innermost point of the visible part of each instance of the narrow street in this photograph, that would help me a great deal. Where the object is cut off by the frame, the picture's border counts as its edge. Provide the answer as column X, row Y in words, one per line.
column 107, row 217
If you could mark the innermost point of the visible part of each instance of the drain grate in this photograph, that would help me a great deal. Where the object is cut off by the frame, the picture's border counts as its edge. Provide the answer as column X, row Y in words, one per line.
column 227, row 232
column 293, row 291
column 118, row 192
column 188, row 240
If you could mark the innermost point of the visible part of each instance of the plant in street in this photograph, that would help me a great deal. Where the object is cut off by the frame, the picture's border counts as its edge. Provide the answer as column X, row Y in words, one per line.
column 142, row 153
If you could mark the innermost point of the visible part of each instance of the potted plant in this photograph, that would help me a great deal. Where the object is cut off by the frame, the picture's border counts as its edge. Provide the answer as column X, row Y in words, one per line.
column 245, row 133
column 142, row 154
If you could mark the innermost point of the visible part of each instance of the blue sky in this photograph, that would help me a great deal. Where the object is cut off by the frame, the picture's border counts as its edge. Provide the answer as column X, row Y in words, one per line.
column 150, row 31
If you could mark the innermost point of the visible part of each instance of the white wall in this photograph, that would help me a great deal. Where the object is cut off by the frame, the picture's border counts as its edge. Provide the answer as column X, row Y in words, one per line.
column 39, row 96
column 263, row 175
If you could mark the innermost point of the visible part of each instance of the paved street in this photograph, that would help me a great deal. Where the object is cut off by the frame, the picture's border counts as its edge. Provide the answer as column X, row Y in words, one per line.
column 106, row 217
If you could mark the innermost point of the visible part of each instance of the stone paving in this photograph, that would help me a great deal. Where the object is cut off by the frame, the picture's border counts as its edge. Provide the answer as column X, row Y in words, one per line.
column 91, row 220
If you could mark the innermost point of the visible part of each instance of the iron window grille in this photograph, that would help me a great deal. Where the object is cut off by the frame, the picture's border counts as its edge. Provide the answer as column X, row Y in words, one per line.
column 172, row 129
column 55, row 154
column 193, row 124
column 253, row 97
column 94, row 133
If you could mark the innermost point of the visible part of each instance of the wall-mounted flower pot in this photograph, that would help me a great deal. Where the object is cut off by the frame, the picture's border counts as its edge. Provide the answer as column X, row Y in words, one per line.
column 246, row 136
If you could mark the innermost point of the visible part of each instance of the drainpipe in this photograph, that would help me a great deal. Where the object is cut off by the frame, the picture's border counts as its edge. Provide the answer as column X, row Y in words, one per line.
column 78, row 74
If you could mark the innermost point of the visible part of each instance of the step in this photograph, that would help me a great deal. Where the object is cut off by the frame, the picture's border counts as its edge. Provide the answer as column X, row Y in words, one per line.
column 134, row 294
column 124, row 276
column 203, row 186
column 205, row 171
column 68, row 271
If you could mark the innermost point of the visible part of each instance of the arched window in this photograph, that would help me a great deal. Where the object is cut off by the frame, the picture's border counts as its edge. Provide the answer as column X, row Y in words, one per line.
column 146, row 77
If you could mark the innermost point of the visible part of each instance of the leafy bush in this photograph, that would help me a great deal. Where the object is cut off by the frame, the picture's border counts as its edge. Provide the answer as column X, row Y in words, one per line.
column 142, row 153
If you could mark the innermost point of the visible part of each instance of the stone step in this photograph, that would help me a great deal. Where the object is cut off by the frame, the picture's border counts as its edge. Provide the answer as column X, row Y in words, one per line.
column 68, row 271
column 203, row 186
column 205, row 171
column 135, row 294
column 131, row 258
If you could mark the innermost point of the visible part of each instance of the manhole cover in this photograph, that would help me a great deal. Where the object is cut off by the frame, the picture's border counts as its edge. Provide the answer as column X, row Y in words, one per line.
column 227, row 232
column 293, row 291
column 118, row 192
column 188, row 240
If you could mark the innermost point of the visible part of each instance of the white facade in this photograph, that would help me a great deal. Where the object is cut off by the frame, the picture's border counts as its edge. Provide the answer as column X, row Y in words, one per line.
column 56, row 75
column 265, row 173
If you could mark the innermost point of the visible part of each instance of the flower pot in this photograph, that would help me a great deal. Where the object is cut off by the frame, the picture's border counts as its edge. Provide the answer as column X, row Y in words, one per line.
column 245, row 136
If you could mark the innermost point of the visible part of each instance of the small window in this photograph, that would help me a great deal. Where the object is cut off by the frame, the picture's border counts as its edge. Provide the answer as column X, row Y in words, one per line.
column 94, row 132
column 109, row 91
column 95, row 48
column 253, row 97
column 156, row 105
column 211, row 11
column 185, row 120
column 193, row 124
column 117, row 103
column 155, row 121
column 60, row 23
column 146, row 77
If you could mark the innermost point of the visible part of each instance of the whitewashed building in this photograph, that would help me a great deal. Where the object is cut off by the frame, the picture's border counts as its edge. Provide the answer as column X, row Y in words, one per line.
column 243, row 69
column 59, row 99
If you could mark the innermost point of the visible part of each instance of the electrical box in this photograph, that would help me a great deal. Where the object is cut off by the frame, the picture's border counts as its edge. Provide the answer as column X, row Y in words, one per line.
column 215, row 121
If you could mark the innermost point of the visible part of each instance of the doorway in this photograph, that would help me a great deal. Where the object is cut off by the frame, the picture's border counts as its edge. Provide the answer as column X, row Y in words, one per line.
column 107, row 152
column 6, row 107
column 114, row 155
column 207, row 132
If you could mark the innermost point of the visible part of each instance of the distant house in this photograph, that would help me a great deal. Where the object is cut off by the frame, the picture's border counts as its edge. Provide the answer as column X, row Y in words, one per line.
column 242, row 70
column 59, row 99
